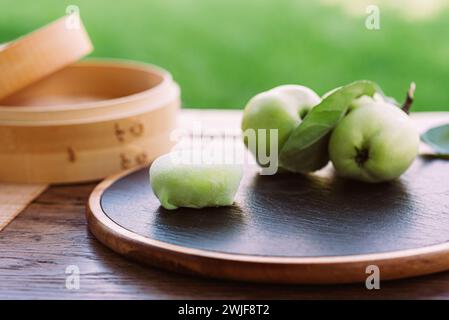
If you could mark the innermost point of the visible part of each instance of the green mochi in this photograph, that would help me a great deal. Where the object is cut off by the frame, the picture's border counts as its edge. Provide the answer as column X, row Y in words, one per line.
column 194, row 185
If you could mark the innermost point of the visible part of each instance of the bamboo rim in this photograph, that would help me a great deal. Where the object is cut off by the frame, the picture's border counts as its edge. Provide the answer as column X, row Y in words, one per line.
column 166, row 90
column 42, row 52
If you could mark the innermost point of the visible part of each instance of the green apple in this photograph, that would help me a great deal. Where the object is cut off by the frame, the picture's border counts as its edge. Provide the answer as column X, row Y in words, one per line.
column 305, row 98
column 365, row 100
column 280, row 110
column 375, row 142
column 306, row 149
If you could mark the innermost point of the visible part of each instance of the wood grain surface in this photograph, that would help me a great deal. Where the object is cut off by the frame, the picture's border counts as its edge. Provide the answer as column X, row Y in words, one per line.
column 51, row 234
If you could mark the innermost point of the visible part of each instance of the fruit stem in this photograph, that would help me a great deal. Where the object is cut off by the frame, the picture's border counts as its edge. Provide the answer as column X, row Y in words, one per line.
column 409, row 98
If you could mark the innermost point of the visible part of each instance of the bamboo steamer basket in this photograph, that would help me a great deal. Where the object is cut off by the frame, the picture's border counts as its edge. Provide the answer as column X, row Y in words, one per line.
column 87, row 121
column 42, row 52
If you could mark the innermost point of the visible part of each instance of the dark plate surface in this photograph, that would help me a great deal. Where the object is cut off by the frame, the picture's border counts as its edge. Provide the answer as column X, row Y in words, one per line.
column 297, row 216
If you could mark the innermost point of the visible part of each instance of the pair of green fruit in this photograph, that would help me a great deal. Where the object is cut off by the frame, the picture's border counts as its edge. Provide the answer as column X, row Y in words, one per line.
column 363, row 133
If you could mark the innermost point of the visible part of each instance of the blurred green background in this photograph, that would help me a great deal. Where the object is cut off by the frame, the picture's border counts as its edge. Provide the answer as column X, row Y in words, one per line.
column 222, row 52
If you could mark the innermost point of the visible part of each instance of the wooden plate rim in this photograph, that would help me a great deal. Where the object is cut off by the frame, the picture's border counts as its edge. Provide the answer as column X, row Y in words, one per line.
column 95, row 212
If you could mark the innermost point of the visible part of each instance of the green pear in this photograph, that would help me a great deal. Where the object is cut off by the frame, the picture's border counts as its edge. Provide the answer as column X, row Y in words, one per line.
column 375, row 142
column 270, row 117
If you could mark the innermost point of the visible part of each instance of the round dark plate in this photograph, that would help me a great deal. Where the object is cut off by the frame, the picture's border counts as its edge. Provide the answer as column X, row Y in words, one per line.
column 315, row 228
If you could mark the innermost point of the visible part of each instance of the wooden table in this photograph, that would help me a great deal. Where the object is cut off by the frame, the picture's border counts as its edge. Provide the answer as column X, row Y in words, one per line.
column 51, row 234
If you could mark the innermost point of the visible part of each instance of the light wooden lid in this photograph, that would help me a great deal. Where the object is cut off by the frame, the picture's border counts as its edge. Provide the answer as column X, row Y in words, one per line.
column 42, row 52
column 90, row 91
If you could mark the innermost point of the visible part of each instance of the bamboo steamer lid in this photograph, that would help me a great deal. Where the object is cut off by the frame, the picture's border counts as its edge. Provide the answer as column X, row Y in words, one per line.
column 87, row 121
column 42, row 52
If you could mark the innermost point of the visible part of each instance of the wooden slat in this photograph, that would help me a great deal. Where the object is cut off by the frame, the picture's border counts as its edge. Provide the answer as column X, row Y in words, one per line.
column 14, row 198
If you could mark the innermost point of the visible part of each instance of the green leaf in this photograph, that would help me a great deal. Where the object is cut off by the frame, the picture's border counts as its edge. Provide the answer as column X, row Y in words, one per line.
column 438, row 139
column 306, row 148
